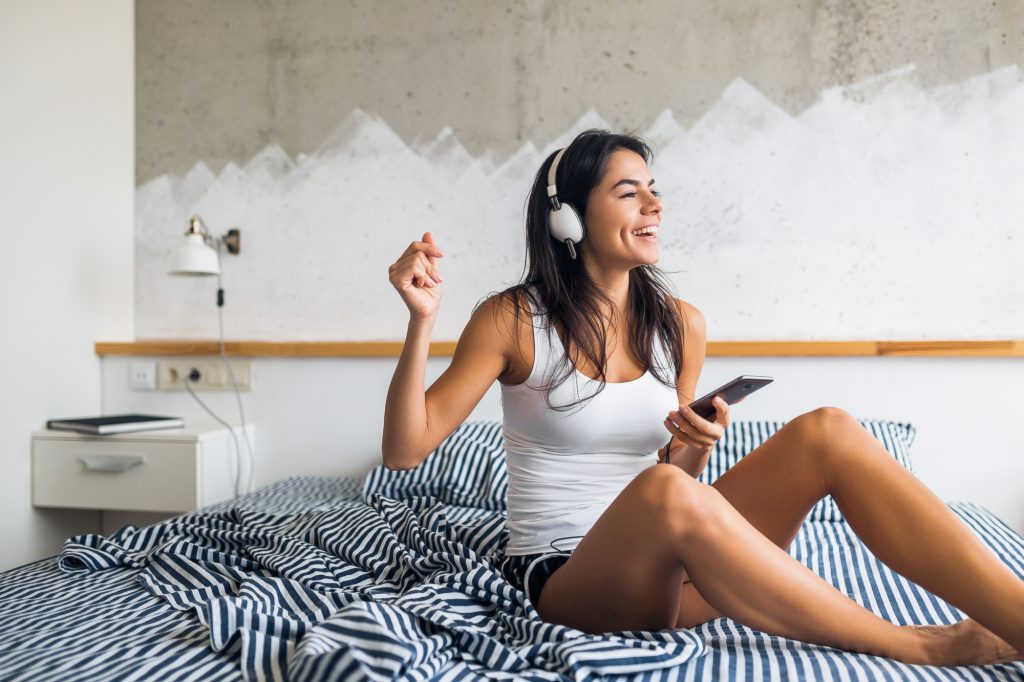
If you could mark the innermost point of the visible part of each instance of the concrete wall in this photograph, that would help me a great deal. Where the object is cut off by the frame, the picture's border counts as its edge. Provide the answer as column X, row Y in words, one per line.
column 67, row 168
column 220, row 81
column 835, row 170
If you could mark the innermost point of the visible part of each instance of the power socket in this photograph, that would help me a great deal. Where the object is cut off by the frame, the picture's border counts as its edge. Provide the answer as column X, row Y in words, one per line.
column 142, row 376
column 212, row 375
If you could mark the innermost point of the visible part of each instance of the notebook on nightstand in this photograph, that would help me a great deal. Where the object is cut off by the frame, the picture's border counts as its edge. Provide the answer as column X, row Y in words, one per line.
column 116, row 423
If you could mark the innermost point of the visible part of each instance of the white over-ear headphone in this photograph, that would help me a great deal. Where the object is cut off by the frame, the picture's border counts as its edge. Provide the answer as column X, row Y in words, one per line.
column 564, row 223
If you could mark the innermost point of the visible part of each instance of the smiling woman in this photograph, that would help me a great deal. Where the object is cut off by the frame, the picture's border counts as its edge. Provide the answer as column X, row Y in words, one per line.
column 623, row 203
column 612, row 308
column 648, row 232
column 601, row 339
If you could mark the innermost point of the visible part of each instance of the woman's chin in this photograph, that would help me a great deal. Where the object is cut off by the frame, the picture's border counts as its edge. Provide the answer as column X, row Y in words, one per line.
column 650, row 255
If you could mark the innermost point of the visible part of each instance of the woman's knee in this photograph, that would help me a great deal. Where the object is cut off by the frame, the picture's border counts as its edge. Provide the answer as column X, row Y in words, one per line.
column 826, row 418
column 825, row 431
column 820, row 427
column 683, row 503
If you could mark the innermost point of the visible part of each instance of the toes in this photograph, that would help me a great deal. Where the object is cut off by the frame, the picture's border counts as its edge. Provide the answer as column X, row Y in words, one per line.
column 1007, row 654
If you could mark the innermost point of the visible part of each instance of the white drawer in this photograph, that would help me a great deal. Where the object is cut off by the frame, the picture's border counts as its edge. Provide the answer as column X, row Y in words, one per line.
column 82, row 473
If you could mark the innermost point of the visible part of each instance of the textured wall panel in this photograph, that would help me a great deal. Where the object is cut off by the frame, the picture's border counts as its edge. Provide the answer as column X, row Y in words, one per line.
column 886, row 210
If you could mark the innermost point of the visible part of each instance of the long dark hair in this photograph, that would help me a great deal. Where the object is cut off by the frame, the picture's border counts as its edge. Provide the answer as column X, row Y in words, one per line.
column 567, row 295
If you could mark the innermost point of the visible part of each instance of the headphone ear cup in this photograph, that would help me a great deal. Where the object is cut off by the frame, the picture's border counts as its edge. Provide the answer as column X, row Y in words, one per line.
column 565, row 224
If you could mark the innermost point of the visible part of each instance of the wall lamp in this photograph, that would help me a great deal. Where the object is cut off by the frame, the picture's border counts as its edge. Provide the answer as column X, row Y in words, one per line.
column 200, row 254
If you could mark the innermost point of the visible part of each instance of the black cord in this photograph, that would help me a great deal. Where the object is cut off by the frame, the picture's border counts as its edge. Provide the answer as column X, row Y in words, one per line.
column 194, row 376
column 231, row 373
column 568, row 537
column 668, row 448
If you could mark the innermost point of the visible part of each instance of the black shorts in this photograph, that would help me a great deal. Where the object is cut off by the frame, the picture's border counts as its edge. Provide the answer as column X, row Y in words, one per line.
column 529, row 572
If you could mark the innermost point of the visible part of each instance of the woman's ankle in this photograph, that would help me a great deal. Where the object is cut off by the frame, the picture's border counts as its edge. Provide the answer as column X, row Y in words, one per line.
column 915, row 646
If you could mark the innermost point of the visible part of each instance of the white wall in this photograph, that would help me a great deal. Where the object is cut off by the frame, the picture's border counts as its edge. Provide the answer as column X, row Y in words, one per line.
column 325, row 416
column 66, row 208
column 883, row 211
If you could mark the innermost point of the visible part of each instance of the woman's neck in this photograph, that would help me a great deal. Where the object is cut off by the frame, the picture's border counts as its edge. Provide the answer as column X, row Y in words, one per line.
column 618, row 292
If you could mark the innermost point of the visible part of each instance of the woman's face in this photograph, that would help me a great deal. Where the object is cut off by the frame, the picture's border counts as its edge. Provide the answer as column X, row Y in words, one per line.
column 619, row 206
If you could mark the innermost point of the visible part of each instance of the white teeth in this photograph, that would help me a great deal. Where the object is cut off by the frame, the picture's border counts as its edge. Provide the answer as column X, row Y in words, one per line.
column 644, row 231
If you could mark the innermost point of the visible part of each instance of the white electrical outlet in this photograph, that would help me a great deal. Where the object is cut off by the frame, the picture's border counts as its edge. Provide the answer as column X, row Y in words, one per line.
column 142, row 376
column 211, row 375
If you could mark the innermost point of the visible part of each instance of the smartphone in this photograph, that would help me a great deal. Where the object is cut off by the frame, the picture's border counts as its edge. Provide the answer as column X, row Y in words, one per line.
column 732, row 392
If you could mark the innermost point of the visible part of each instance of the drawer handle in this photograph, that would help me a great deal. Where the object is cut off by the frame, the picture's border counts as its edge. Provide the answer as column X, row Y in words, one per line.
column 114, row 464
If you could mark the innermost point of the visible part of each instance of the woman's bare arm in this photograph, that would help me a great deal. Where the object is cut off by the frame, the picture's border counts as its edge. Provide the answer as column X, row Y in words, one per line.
column 415, row 422
column 405, row 416
column 690, row 459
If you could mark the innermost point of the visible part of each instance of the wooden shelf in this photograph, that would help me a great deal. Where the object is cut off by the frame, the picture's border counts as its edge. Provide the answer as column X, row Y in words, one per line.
column 392, row 349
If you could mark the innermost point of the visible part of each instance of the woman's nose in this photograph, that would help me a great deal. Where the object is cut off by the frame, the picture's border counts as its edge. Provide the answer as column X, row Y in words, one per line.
column 654, row 205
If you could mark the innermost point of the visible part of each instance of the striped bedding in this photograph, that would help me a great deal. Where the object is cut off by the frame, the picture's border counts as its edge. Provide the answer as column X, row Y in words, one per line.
column 311, row 579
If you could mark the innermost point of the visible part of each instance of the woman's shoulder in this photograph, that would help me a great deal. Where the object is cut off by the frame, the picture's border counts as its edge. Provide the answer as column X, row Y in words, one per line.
column 512, row 317
column 692, row 317
column 508, row 305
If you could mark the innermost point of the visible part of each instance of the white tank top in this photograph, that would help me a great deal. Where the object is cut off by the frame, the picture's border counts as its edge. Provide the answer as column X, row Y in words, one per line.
column 565, row 468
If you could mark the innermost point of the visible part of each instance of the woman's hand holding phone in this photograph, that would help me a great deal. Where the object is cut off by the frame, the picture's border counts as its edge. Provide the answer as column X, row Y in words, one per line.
column 417, row 279
column 692, row 429
column 703, row 422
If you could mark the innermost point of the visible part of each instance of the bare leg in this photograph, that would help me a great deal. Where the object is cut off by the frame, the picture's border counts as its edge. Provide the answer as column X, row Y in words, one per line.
column 633, row 558
column 827, row 451
column 782, row 596
column 909, row 528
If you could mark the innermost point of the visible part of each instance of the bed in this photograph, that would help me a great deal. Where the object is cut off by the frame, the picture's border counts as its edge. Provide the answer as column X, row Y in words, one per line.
column 394, row 576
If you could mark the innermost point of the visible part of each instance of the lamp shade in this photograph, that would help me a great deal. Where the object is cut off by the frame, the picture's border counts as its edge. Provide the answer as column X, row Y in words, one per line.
column 194, row 257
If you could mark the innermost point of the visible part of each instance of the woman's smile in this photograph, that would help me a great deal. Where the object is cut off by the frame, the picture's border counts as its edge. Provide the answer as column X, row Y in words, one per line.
column 646, row 234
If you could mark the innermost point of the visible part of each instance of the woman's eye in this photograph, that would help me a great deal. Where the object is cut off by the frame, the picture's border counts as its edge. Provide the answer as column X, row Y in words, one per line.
column 633, row 194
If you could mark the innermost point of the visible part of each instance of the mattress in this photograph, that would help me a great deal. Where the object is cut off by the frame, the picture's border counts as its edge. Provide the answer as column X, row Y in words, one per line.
column 305, row 579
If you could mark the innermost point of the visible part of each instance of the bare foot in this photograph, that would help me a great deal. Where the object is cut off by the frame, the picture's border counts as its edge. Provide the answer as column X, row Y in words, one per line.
column 966, row 642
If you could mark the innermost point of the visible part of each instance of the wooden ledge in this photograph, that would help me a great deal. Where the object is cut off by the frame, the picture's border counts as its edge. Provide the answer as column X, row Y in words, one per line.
column 287, row 349
column 392, row 349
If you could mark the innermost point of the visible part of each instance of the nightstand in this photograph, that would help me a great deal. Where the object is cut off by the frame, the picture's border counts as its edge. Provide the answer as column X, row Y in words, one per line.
column 170, row 470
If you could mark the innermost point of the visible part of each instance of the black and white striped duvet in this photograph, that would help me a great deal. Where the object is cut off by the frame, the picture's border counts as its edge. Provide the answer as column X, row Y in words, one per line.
column 305, row 580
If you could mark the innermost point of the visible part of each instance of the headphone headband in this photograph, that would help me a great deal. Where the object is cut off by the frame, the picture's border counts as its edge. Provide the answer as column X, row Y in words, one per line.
column 552, row 188
column 564, row 224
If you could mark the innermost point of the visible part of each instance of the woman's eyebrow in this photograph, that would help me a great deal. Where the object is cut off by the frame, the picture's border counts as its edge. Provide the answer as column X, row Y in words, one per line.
column 629, row 181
